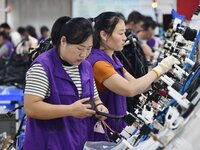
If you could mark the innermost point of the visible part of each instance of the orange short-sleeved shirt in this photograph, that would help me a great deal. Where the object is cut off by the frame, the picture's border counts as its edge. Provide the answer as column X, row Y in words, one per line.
column 102, row 71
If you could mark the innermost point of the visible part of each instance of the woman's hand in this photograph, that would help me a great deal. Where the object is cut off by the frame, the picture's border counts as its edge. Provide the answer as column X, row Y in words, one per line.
column 101, row 108
column 81, row 110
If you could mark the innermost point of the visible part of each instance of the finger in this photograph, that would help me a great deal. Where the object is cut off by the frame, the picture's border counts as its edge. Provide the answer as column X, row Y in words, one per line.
column 106, row 111
column 88, row 106
column 89, row 115
column 102, row 118
column 89, row 111
column 86, row 115
column 99, row 108
column 84, row 100
column 98, row 116
column 175, row 60
column 102, row 109
column 83, row 116
column 178, row 62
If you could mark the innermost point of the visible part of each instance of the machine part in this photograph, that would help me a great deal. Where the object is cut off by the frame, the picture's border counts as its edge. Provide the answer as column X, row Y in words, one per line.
column 147, row 115
column 128, row 131
column 178, row 97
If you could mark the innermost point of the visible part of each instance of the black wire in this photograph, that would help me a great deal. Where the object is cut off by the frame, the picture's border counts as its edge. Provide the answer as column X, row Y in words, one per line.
column 189, row 76
column 17, row 134
column 117, row 117
column 11, row 113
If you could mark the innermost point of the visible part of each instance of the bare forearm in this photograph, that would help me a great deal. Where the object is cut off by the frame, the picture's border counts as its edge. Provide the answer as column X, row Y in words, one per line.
column 97, row 100
column 141, row 84
column 128, row 85
column 45, row 111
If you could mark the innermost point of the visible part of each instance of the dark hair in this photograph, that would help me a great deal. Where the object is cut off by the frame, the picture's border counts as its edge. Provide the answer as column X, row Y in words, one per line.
column 135, row 17
column 4, row 35
column 149, row 23
column 31, row 30
column 5, row 26
column 44, row 29
column 21, row 30
column 107, row 22
column 76, row 30
column 56, row 29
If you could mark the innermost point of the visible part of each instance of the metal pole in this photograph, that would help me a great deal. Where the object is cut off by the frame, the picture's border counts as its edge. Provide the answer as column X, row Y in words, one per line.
column 6, row 13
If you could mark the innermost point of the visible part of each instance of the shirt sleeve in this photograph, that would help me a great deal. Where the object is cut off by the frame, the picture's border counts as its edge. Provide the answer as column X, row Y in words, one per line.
column 96, row 94
column 37, row 81
column 103, row 70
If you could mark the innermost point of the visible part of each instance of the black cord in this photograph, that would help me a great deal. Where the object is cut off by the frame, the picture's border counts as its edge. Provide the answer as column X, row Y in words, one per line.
column 196, row 69
column 43, row 46
column 117, row 117
column 11, row 113
column 18, row 133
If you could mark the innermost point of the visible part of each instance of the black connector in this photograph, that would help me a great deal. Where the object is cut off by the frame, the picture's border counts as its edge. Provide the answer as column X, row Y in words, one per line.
column 115, row 137
column 177, row 86
column 91, row 103
column 129, row 119
column 116, row 117
column 189, row 110
column 11, row 113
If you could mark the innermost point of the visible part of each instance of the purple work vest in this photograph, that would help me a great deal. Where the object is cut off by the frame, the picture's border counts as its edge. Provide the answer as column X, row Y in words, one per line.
column 115, row 103
column 67, row 133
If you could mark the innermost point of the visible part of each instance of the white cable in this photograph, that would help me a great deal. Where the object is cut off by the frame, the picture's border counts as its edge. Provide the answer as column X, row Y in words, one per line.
column 178, row 97
column 169, row 79
column 177, row 73
column 181, row 70
column 166, row 81
column 127, row 144
column 189, row 61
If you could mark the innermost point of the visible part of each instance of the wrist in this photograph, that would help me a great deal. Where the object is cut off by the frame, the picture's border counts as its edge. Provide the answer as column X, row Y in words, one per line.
column 156, row 72
column 100, row 104
column 69, row 110
column 97, row 101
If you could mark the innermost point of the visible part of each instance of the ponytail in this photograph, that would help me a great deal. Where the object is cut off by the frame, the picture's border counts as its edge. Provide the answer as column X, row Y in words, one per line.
column 56, row 29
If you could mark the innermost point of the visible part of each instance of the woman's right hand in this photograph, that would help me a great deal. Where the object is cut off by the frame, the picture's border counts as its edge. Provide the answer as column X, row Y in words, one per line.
column 81, row 110
column 165, row 65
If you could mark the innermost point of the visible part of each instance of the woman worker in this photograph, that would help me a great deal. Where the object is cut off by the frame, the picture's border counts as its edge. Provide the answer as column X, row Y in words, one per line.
column 58, row 84
column 113, row 82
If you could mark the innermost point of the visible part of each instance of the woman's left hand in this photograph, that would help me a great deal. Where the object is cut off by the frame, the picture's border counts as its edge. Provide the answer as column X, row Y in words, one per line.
column 101, row 108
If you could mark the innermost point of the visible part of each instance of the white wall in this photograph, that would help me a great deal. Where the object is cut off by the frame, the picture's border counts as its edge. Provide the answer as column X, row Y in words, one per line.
column 165, row 7
column 44, row 12
column 91, row 8
column 37, row 12
column 2, row 13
